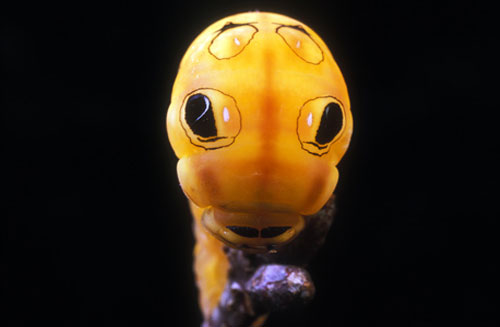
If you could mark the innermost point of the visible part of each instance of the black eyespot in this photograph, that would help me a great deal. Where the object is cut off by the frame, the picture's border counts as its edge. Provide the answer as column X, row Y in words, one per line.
column 321, row 122
column 331, row 123
column 210, row 118
column 199, row 115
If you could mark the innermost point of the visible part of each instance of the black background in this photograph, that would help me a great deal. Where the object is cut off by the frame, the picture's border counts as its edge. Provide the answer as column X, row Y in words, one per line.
column 95, row 229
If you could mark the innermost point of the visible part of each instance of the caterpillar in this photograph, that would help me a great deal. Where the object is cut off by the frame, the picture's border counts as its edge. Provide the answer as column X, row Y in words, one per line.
column 259, row 118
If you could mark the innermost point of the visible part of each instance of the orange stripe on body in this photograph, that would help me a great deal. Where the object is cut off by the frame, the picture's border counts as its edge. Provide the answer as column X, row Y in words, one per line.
column 269, row 124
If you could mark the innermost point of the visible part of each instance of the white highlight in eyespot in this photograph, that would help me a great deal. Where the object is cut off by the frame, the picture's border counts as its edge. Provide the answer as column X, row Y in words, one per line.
column 225, row 114
column 310, row 119
column 236, row 41
column 297, row 45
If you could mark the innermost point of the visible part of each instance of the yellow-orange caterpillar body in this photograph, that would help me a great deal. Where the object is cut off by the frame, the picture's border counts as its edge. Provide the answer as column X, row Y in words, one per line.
column 259, row 118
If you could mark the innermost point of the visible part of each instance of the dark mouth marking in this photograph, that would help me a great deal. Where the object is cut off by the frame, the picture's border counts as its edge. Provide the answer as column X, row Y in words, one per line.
column 316, row 145
column 244, row 231
column 273, row 231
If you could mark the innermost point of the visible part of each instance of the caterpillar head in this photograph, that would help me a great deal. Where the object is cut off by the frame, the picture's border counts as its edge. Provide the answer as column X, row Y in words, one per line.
column 259, row 118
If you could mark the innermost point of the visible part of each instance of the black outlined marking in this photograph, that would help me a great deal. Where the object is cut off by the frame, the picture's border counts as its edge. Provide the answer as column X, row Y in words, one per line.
column 317, row 145
column 214, row 138
column 228, row 26
column 301, row 29
column 297, row 27
column 321, row 147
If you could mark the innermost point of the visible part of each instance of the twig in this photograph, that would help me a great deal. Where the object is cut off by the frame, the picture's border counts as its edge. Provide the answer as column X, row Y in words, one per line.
column 259, row 284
